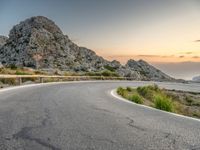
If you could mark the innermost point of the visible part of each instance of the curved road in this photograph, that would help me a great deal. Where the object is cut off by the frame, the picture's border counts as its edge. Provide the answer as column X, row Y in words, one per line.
column 86, row 116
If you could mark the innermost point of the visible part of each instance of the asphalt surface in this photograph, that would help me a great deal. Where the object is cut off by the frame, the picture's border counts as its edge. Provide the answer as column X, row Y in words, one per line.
column 86, row 116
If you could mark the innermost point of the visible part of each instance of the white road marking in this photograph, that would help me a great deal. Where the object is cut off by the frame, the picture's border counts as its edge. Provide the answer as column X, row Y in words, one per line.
column 50, row 83
column 38, row 84
column 113, row 93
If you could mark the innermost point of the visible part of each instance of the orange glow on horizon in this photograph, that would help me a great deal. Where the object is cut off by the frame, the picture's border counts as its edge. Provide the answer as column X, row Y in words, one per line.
column 154, row 58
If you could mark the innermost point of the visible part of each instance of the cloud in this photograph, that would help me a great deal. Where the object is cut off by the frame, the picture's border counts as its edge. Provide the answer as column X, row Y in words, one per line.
column 186, row 53
column 149, row 56
column 197, row 41
column 189, row 53
column 195, row 57
column 156, row 56
column 181, row 56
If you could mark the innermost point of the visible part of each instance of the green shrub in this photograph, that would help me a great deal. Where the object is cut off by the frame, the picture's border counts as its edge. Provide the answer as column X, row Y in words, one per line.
column 188, row 99
column 93, row 74
column 109, row 68
column 142, row 90
column 46, row 80
column 136, row 98
column 163, row 103
column 154, row 87
column 146, row 92
column 129, row 89
column 105, row 73
column 11, row 81
column 108, row 73
column 195, row 114
column 29, row 79
column 38, row 72
column 142, row 72
column 120, row 90
column 22, row 73
column 13, row 66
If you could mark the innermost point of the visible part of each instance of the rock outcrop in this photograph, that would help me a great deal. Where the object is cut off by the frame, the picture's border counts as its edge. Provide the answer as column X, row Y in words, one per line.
column 39, row 43
column 3, row 40
column 147, row 71
column 1, row 66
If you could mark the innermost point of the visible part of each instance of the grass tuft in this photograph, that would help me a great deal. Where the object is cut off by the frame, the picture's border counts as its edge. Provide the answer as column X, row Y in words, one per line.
column 120, row 90
column 163, row 103
column 181, row 102
column 136, row 98
column 129, row 89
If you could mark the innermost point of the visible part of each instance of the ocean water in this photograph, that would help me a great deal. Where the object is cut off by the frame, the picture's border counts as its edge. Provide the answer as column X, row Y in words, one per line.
column 183, row 70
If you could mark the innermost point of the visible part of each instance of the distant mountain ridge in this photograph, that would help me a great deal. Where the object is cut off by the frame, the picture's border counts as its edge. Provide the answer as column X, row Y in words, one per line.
column 39, row 43
column 197, row 78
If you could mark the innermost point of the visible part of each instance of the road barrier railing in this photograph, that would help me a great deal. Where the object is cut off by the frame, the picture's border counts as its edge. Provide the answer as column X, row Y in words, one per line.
column 49, row 78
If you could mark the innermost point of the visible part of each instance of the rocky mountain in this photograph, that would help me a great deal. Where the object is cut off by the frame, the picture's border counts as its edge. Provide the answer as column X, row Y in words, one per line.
column 39, row 43
column 147, row 71
column 3, row 40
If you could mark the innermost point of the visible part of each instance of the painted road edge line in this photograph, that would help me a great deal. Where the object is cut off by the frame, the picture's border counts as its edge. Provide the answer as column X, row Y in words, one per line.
column 114, row 94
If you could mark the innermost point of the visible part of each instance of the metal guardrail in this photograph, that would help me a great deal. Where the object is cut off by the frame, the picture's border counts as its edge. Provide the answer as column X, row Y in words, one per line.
column 61, row 78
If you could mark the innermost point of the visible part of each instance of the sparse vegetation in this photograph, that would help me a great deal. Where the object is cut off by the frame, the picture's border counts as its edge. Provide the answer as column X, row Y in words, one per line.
column 120, row 90
column 73, row 74
column 105, row 73
column 129, row 89
column 136, row 98
column 11, row 81
column 109, row 68
column 13, row 70
column 19, row 71
column 185, row 103
column 162, row 102
column 148, row 91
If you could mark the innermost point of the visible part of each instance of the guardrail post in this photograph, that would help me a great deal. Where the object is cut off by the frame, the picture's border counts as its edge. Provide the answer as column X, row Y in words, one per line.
column 41, row 80
column 20, row 80
column 101, row 77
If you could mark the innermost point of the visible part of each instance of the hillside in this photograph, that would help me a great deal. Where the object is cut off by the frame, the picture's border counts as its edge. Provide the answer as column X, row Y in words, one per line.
column 39, row 43
column 147, row 71
column 3, row 40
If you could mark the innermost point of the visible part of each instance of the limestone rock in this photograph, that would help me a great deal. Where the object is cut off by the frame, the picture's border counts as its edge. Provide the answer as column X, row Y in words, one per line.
column 147, row 71
column 1, row 66
column 39, row 43
column 3, row 40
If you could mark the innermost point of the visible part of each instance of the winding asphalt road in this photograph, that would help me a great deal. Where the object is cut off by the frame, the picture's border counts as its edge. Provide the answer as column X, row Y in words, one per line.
column 86, row 116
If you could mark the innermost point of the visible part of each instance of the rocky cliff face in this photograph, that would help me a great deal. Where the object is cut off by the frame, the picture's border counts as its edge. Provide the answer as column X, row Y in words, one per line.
column 39, row 43
column 3, row 40
column 147, row 71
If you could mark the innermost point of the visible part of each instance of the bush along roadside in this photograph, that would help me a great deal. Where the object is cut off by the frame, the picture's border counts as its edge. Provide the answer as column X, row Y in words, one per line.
column 180, row 102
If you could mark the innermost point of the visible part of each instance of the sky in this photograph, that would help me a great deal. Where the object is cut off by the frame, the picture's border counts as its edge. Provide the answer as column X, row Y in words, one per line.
column 166, row 33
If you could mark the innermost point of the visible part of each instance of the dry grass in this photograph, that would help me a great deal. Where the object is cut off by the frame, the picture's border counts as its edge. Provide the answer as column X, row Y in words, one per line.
column 185, row 103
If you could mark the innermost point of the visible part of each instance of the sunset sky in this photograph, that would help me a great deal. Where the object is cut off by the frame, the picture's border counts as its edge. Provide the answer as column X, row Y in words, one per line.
column 158, row 31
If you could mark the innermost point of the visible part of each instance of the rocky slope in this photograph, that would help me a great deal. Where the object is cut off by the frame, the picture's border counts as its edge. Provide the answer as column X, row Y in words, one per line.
column 39, row 43
column 147, row 71
column 3, row 40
